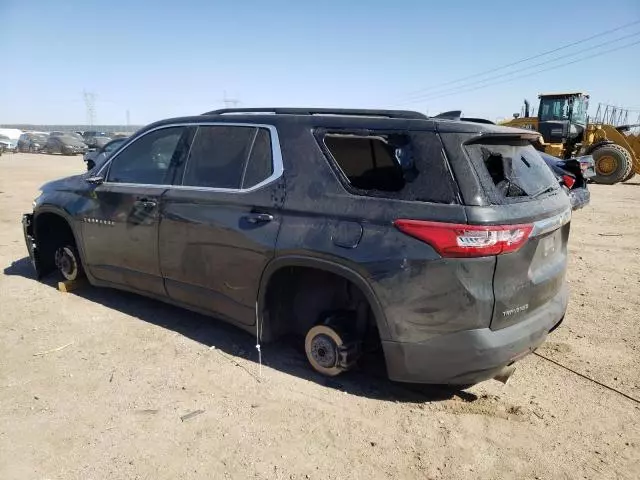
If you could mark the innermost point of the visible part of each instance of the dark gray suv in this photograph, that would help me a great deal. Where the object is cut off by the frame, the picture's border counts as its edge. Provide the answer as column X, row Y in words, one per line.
column 440, row 243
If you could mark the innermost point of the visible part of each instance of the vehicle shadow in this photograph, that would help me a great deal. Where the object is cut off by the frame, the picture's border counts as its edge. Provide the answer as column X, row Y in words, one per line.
column 286, row 355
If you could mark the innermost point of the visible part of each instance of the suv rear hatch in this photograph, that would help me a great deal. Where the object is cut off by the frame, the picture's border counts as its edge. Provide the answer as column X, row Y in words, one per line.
column 504, row 181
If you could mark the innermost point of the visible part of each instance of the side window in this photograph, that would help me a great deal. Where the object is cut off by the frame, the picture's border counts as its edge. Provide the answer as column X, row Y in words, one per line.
column 218, row 156
column 147, row 159
column 260, row 164
column 370, row 163
column 404, row 165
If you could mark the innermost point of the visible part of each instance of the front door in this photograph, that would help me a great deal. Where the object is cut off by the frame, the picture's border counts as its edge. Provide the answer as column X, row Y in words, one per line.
column 219, row 226
column 120, row 228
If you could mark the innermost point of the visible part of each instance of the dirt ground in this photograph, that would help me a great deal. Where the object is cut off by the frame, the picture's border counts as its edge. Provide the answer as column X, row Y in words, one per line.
column 112, row 402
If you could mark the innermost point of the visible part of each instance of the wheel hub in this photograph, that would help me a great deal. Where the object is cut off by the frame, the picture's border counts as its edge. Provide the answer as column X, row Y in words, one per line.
column 324, row 351
column 66, row 262
column 606, row 165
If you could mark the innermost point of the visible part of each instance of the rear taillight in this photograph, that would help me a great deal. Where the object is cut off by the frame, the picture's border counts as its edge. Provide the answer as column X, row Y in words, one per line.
column 458, row 240
column 568, row 180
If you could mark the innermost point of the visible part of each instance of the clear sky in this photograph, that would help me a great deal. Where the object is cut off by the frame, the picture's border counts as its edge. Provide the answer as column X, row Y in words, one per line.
column 159, row 58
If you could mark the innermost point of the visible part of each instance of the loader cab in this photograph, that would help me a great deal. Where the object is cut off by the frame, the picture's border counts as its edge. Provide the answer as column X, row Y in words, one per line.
column 562, row 118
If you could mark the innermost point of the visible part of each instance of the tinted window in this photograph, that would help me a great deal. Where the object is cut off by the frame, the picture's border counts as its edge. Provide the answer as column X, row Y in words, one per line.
column 147, row 159
column 218, row 156
column 260, row 165
column 368, row 162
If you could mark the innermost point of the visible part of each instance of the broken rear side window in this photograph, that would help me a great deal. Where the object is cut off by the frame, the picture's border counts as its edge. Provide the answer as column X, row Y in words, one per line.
column 515, row 167
column 407, row 166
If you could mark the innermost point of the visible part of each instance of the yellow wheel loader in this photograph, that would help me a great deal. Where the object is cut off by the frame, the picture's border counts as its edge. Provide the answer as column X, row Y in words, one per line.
column 566, row 132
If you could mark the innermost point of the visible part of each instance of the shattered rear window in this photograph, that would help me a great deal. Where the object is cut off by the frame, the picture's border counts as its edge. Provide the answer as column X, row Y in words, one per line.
column 516, row 168
column 396, row 164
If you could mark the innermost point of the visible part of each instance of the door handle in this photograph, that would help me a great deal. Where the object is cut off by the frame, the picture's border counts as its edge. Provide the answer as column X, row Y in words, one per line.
column 259, row 217
column 144, row 203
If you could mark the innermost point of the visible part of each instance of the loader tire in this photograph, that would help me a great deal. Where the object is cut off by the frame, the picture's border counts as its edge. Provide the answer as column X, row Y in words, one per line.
column 613, row 164
column 630, row 176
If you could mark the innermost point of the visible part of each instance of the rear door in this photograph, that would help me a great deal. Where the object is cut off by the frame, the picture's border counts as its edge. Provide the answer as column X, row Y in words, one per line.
column 220, row 223
column 522, row 190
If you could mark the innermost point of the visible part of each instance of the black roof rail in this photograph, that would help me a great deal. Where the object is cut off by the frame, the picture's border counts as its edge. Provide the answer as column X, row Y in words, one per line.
column 406, row 114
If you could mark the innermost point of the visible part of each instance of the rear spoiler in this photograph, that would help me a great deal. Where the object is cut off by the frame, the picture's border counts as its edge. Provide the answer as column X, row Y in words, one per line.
column 450, row 115
column 457, row 115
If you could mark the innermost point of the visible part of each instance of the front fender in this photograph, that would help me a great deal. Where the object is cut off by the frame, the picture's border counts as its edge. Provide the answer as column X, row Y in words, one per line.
column 65, row 215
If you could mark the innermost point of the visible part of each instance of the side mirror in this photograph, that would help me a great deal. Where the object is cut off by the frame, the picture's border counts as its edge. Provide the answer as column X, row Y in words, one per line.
column 95, row 180
column 90, row 164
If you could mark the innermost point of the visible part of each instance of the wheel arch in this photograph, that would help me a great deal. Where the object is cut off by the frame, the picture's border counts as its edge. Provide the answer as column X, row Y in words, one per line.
column 53, row 210
column 279, row 263
column 67, row 218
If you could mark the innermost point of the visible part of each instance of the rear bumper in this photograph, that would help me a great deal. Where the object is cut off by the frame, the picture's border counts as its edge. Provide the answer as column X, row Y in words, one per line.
column 471, row 356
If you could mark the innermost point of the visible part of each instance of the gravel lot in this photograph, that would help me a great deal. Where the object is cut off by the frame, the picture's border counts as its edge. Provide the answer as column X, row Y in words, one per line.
column 111, row 404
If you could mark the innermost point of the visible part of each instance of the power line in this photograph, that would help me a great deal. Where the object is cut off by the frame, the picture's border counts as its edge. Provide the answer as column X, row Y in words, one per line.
column 527, row 74
column 502, row 67
column 529, row 67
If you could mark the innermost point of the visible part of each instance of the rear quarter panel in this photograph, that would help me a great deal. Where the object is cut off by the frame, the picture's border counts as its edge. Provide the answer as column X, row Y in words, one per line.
column 422, row 295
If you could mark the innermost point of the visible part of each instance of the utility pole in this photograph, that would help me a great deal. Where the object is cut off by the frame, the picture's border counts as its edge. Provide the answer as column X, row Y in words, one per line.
column 128, row 120
column 229, row 102
column 90, row 107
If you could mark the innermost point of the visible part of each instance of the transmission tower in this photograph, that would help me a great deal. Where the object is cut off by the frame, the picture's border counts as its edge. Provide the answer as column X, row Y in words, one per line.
column 90, row 107
column 229, row 102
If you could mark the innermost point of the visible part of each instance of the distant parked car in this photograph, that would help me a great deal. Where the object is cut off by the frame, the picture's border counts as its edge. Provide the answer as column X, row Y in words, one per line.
column 75, row 135
column 11, row 133
column 9, row 144
column 91, row 138
column 32, row 142
column 573, row 175
column 97, row 157
column 65, row 144
column 119, row 135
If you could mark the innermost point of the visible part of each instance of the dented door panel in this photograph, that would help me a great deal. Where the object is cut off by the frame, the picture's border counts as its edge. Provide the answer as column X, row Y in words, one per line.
column 214, row 247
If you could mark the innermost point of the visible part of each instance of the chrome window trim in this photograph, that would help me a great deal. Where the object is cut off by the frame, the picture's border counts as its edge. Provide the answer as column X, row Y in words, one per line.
column 276, row 159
